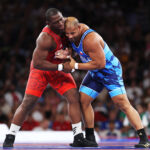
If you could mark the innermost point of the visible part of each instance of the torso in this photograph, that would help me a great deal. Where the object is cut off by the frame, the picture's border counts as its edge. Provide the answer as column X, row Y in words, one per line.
column 59, row 43
column 84, row 28
column 83, row 53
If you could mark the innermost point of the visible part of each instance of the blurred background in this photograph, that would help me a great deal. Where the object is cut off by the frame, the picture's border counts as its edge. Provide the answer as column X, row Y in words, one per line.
column 124, row 25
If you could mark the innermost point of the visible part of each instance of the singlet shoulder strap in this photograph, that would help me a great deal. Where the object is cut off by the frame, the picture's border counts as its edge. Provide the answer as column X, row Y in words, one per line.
column 82, row 38
column 85, row 33
column 52, row 34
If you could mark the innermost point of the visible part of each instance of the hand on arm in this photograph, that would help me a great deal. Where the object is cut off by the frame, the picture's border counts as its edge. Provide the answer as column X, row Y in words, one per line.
column 69, row 65
column 63, row 54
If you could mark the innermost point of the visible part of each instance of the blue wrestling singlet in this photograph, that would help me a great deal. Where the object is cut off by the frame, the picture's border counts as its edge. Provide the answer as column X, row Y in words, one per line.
column 109, row 77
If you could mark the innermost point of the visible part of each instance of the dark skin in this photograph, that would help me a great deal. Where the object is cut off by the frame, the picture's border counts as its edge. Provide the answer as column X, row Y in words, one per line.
column 44, row 44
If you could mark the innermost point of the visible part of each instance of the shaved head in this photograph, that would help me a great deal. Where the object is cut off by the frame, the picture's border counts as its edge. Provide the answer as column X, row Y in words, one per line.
column 71, row 22
column 72, row 28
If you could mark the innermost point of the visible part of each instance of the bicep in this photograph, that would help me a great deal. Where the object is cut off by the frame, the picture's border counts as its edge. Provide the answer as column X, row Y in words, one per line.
column 41, row 51
column 96, row 52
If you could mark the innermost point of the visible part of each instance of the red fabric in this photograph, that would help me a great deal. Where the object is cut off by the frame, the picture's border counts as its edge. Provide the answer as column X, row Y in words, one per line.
column 29, row 125
column 61, row 42
column 39, row 79
column 61, row 126
column 99, row 116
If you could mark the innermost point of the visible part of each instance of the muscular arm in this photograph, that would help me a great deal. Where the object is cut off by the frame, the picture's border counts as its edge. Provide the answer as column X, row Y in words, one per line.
column 44, row 43
column 92, row 45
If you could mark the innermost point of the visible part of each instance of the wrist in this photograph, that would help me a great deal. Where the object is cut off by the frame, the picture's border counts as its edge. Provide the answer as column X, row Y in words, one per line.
column 76, row 66
column 60, row 67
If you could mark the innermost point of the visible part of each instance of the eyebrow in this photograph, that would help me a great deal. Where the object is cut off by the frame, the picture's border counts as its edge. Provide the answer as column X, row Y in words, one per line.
column 58, row 20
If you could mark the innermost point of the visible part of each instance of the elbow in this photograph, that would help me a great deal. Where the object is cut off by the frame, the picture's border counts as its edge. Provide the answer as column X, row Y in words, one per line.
column 101, row 65
column 36, row 64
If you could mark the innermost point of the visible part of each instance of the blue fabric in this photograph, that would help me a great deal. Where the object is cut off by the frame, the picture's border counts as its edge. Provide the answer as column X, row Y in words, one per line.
column 92, row 93
column 118, row 91
column 113, row 84
column 110, row 77
column 79, row 49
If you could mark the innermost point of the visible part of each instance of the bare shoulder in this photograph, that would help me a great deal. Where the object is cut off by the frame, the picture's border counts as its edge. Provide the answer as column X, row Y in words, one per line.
column 84, row 26
column 44, row 39
column 91, row 39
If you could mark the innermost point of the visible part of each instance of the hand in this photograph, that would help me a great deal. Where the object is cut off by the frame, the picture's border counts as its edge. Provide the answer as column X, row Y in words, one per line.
column 66, row 67
column 62, row 54
column 72, row 62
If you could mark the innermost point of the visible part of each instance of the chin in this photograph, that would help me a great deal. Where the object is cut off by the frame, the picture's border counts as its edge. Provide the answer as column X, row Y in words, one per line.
column 71, row 40
column 62, row 28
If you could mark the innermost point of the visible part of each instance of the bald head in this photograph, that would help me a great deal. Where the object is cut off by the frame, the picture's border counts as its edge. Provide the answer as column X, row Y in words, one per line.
column 71, row 22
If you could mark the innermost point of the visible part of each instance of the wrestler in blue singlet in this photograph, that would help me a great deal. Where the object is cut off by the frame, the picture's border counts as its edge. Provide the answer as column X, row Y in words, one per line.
column 109, row 77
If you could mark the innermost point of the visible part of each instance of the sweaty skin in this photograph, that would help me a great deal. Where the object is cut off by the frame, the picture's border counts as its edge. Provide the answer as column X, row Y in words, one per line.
column 94, row 49
column 44, row 44
column 93, row 46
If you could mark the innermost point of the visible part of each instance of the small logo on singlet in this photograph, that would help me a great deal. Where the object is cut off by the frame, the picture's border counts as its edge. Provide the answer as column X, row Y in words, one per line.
column 61, row 46
column 81, row 53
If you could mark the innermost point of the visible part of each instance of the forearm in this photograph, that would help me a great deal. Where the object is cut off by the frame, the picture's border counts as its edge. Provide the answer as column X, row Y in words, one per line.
column 45, row 65
column 90, row 66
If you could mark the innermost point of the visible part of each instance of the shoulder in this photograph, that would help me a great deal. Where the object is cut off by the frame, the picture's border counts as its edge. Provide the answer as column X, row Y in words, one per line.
column 92, row 39
column 84, row 26
column 44, row 39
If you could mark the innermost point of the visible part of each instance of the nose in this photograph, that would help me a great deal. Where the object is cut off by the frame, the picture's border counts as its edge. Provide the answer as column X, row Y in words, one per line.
column 61, row 22
column 69, row 36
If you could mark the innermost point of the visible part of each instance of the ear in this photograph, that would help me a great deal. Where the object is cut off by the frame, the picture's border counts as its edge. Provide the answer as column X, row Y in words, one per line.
column 79, row 26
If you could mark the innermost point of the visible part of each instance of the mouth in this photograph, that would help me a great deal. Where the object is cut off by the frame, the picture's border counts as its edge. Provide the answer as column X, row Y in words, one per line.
column 71, row 40
column 61, row 27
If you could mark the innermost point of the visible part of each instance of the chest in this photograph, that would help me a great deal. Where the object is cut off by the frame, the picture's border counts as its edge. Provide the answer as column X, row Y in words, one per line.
column 58, row 43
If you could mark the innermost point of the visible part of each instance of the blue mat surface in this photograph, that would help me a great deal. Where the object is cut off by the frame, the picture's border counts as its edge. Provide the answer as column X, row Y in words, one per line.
column 103, row 145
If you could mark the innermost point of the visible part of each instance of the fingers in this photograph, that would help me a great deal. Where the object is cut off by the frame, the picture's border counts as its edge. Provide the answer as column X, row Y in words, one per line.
column 57, row 56
column 72, row 60
column 62, row 54
column 57, row 53
column 60, row 57
column 68, row 57
column 73, row 70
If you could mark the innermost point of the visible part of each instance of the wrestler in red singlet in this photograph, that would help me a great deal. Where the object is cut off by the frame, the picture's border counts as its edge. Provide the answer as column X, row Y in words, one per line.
column 60, row 81
column 43, row 70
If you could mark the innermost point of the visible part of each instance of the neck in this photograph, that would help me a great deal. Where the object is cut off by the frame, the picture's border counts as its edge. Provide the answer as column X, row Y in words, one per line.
column 79, row 38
